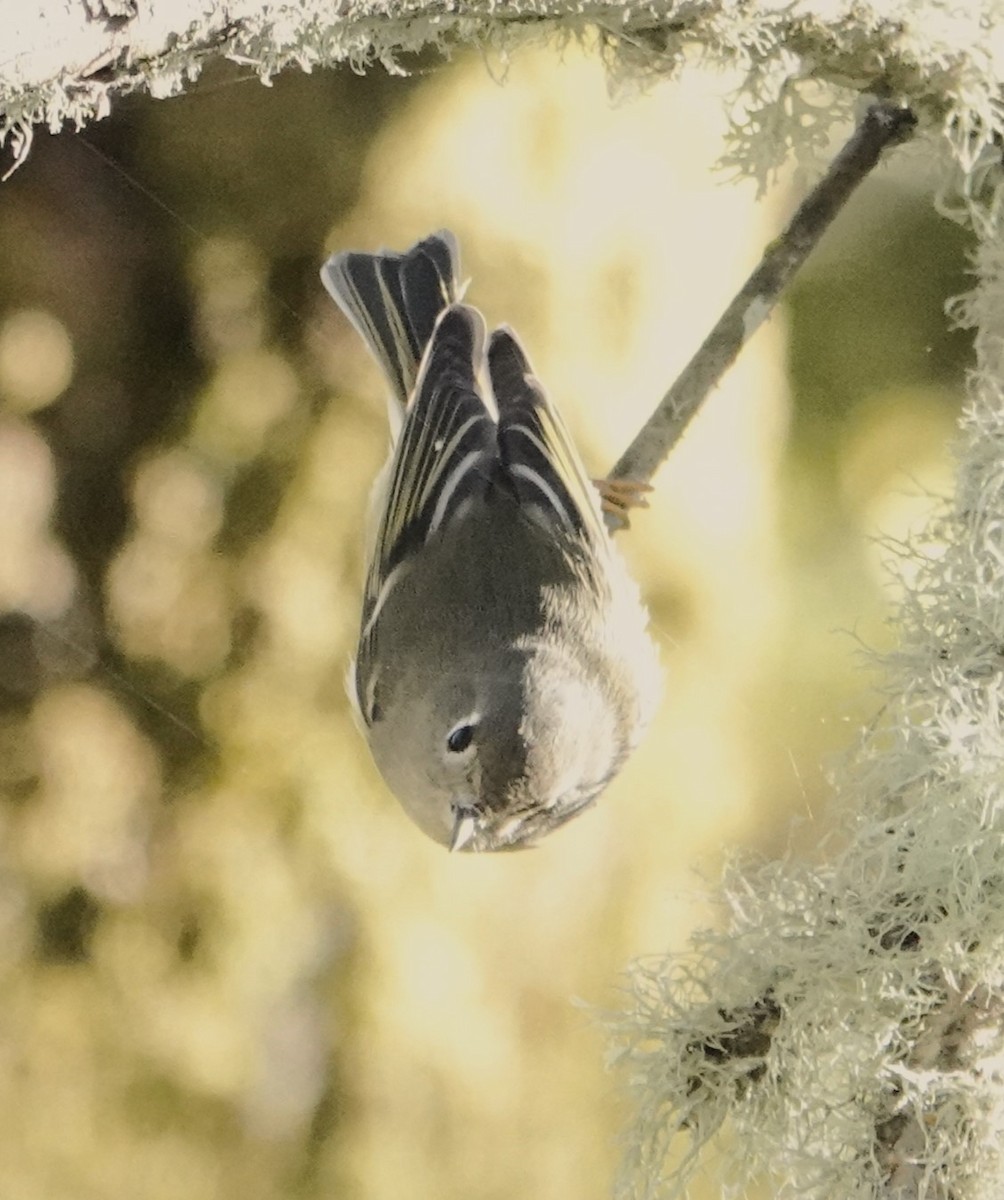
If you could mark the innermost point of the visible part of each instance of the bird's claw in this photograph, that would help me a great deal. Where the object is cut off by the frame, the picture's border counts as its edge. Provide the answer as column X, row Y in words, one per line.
column 619, row 496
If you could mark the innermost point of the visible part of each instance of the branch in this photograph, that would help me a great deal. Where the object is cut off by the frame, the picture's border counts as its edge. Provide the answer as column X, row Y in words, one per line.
column 71, row 63
column 883, row 125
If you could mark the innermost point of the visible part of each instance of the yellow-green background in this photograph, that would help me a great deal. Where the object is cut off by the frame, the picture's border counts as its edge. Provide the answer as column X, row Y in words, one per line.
column 229, row 966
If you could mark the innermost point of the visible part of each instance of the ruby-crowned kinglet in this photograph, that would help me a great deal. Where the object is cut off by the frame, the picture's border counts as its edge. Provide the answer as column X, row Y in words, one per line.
column 504, row 669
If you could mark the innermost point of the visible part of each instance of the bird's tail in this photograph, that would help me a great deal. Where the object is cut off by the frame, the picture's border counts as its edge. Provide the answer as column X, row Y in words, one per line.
column 393, row 300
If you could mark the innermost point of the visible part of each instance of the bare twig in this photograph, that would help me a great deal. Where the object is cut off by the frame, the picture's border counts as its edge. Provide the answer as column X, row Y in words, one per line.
column 884, row 124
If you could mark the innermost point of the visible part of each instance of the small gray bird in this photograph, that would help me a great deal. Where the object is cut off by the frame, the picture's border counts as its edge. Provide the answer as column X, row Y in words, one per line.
column 504, row 669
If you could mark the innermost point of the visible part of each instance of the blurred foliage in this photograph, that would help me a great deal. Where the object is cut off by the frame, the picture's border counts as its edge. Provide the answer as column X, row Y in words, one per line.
column 228, row 964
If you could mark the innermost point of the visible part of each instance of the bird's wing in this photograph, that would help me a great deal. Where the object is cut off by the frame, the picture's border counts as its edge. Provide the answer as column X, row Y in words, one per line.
column 443, row 462
column 536, row 449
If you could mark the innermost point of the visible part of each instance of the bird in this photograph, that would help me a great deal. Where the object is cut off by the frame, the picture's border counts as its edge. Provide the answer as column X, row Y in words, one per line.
column 505, row 669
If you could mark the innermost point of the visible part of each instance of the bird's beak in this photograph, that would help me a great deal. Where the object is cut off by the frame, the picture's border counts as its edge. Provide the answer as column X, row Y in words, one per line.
column 464, row 826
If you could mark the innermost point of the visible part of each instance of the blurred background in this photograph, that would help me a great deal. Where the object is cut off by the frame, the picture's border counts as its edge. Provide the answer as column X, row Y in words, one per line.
column 229, row 965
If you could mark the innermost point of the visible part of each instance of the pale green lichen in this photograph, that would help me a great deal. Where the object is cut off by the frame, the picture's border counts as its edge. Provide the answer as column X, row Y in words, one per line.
column 845, row 1024
column 943, row 58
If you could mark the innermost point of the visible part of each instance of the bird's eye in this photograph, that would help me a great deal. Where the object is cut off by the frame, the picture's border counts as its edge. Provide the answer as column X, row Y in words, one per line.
column 460, row 738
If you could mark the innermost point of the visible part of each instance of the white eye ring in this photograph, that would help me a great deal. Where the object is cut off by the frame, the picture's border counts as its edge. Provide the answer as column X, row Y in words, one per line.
column 461, row 737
